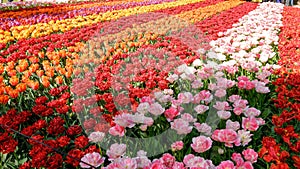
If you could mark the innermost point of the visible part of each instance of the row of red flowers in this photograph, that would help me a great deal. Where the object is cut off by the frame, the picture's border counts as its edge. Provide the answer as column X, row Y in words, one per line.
column 284, row 144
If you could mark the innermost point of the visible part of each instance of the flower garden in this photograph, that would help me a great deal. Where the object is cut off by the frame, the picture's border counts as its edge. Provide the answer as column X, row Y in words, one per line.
column 150, row 84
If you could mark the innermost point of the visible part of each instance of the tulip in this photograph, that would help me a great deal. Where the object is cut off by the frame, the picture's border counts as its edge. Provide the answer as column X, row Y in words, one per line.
column 1, row 68
column 45, row 81
column 59, row 80
column 14, row 80
column 33, row 84
column 21, row 87
column 13, row 93
column 4, row 99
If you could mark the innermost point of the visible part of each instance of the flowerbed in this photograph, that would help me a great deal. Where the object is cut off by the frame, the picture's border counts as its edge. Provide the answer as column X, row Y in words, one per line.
column 284, row 141
column 150, row 84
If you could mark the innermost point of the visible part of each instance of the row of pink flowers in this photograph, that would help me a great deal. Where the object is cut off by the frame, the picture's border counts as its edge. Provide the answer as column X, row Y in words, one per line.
column 243, row 160
column 249, row 45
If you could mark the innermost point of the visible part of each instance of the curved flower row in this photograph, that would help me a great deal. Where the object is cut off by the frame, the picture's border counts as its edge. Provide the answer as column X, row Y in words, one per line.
column 250, row 43
column 197, row 15
column 220, row 23
column 42, row 29
column 284, row 144
column 95, row 8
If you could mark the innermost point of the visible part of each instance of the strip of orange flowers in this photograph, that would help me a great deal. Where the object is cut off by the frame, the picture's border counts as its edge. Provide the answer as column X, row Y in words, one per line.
column 43, row 29
column 197, row 15
column 285, row 145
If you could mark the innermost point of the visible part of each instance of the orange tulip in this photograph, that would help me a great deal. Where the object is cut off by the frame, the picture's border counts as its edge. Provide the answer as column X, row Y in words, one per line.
column 45, row 63
column 21, row 87
column 34, row 59
column 1, row 79
column 33, row 67
column 50, row 72
column 86, row 69
column 23, row 64
column 123, row 45
column 55, row 61
column 62, row 71
column 4, row 99
column 7, row 89
column 2, row 90
column 27, row 73
column 33, row 84
column 13, row 93
column 41, row 55
column 59, row 80
column 10, row 65
column 68, row 74
column 24, row 79
column 131, row 44
column 46, row 83
column 1, row 68
column 62, row 53
column 14, row 80
column 70, row 68
column 40, row 73
column 18, row 68
column 12, row 73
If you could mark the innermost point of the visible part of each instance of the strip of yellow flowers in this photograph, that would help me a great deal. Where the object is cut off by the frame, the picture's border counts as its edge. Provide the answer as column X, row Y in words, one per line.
column 43, row 29
column 199, row 14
